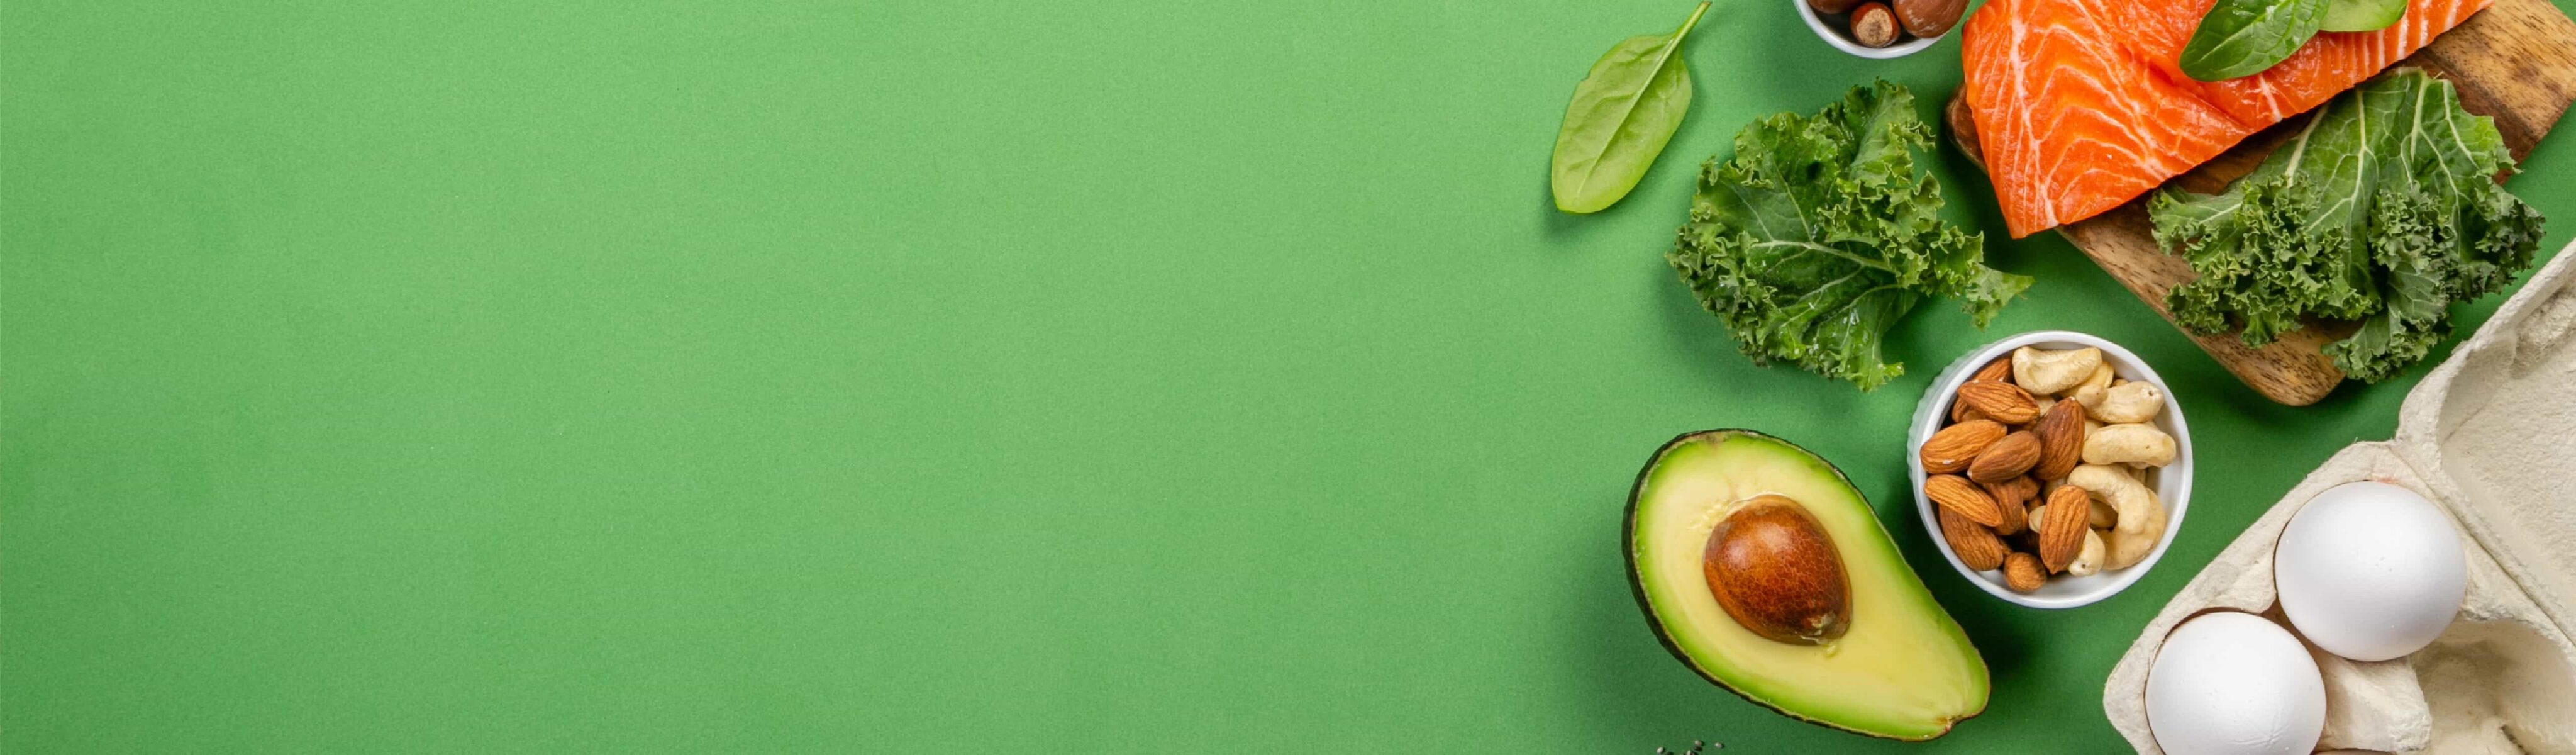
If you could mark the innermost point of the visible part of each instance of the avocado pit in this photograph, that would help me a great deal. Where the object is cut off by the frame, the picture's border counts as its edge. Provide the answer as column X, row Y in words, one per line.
column 1774, row 569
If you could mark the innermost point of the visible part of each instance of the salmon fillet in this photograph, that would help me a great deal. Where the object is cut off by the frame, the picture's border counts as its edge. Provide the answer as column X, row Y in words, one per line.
column 2082, row 105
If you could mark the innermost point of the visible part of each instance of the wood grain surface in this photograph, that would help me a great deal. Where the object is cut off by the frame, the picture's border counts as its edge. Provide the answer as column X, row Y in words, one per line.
column 2514, row 62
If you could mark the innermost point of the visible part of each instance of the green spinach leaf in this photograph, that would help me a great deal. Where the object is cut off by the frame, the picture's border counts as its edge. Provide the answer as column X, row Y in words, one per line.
column 2383, row 209
column 1820, row 233
column 1621, row 116
column 2362, row 15
column 2245, row 37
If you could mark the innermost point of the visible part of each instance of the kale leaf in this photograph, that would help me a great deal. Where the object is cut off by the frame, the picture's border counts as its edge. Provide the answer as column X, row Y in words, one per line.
column 2383, row 209
column 1820, row 233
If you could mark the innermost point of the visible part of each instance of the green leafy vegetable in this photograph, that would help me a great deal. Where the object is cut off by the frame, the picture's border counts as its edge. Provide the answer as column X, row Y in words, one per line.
column 2383, row 209
column 1819, row 233
column 2244, row 37
column 2362, row 15
column 1621, row 116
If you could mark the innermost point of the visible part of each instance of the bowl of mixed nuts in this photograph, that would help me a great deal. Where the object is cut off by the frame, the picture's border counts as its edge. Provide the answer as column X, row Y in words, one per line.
column 2052, row 468
column 1881, row 28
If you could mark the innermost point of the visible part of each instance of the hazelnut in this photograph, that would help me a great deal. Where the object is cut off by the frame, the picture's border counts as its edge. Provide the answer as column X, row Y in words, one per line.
column 1873, row 25
column 1929, row 18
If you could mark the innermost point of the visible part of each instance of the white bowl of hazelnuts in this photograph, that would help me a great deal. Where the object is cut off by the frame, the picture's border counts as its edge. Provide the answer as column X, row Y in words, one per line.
column 2051, row 468
column 1881, row 28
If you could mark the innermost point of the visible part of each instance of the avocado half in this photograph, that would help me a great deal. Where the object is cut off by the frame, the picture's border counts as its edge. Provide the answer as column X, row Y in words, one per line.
column 1902, row 670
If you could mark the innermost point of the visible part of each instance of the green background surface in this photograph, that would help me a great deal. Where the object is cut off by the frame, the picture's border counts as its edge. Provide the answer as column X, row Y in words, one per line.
column 924, row 377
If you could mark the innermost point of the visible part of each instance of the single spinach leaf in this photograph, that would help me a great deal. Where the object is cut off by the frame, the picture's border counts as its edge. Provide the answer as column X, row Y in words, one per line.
column 2383, row 209
column 2362, row 15
column 2245, row 37
column 1621, row 116
column 1820, row 233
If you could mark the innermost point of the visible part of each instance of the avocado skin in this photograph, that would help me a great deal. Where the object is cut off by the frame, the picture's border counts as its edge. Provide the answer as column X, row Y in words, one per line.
column 1637, row 585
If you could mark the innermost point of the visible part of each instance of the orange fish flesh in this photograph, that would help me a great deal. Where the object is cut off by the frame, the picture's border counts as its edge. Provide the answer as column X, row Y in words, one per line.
column 2081, row 105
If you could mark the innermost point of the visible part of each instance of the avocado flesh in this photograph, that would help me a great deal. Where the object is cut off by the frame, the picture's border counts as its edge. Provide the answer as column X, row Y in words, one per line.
column 2363, row 15
column 1904, row 670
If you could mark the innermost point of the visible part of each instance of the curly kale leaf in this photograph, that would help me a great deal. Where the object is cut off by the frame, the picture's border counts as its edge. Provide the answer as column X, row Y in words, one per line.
column 2384, row 209
column 1820, row 233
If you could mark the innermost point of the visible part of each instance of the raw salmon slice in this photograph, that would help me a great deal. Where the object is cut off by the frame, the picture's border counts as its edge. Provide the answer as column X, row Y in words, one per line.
column 2081, row 105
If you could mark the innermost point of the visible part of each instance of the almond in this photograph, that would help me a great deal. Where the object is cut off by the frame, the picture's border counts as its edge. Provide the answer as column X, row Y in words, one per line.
column 2061, row 440
column 1996, row 370
column 2061, row 532
column 1953, row 447
column 2015, row 490
column 2007, row 458
column 2015, row 517
column 2009, row 497
column 2026, row 541
column 2005, row 402
column 2021, row 572
column 1957, row 494
column 1975, row 545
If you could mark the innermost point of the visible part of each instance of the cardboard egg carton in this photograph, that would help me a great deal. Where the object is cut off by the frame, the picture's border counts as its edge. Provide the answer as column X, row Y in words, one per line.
column 2490, row 437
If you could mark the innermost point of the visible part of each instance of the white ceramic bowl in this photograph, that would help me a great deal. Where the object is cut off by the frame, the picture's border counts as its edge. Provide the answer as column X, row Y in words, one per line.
column 1835, row 30
column 2172, row 482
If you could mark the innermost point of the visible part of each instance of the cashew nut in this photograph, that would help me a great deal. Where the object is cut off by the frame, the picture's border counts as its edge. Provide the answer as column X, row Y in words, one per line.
column 2129, row 548
column 2054, row 371
column 2121, row 404
column 2101, row 376
column 2128, row 444
column 2038, row 514
column 2130, row 500
column 2090, row 560
column 2103, row 516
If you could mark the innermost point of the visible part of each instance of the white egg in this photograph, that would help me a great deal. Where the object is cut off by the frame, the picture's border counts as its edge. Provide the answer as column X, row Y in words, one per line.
column 2231, row 683
column 2370, row 571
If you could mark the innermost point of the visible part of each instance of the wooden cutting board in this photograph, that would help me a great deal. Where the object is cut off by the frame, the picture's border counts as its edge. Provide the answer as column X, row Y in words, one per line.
column 2514, row 61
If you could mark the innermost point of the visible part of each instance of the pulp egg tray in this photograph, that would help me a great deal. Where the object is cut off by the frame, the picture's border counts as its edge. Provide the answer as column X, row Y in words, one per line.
column 2490, row 437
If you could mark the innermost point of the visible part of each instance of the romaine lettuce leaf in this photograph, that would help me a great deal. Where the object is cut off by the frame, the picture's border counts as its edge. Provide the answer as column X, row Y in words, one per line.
column 2383, row 209
column 1820, row 233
